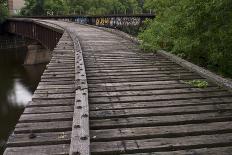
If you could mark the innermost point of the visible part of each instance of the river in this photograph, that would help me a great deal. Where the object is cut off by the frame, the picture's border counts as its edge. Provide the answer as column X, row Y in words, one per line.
column 17, row 84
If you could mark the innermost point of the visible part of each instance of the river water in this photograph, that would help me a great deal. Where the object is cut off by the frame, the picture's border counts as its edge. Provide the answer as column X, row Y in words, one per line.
column 17, row 84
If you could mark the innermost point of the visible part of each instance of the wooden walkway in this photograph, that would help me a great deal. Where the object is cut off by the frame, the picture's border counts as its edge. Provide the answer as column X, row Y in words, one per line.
column 138, row 103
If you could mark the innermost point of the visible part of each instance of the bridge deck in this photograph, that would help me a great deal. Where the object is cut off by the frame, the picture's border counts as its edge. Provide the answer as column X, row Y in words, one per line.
column 139, row 103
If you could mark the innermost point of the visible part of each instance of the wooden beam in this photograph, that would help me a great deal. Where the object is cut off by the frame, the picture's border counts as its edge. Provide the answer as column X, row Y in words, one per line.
column 80, row 138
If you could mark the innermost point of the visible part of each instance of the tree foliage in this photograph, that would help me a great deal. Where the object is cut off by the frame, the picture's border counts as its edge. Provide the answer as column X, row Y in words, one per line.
column 3, row 10
column 200, row 31
column 33, row 7
column 86, row 7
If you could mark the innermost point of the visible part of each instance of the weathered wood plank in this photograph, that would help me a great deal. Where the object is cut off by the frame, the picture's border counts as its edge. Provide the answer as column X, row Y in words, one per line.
column 110, row 93
column 160, row 111
column 161, row 144
column 160, row 132
column 54, row 96
column 186, row 78
column 159, row 97
column 53, row 109
column 157, row 104
column 141, row 76
column 100, row 88
column 47, row 117
column 52, row 138
column 61, row 149
column 160, row 120
column 80, row 137
column 202, row 151
column 47, row 103
column 40, row 127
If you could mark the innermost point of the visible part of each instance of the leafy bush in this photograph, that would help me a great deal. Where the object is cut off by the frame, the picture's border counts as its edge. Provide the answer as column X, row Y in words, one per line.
column 198, row 83
column 3, row 11
column 200, row 31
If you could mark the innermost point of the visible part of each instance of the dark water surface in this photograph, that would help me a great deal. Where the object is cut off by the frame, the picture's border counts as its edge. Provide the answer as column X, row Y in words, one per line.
column 17, row 84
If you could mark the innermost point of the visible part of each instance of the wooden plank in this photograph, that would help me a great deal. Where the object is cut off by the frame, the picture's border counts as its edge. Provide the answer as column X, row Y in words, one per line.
column 61, row 149
column 141, row 83
column 52, row 138
column 110, row 93
column 55, row 86
column 160, row 131
column 47, row 117
column 54, row 96
column 202, row 151
column 80, row 140
column 40, row 127
column 80, row 137
column 159, row 97
column 57, row 81
column 47, row 103
column 147, row 121
column 129, row 76
column 133, row 69
column 53, row 109
column 58, row 76
column 54, row 91
column 161, row 144
column 160, row 111
column 99, row 88
column 135, row 73
column 186, row 78
column 158, row 104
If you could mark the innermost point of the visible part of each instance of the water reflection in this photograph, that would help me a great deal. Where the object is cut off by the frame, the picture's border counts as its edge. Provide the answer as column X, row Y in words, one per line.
column 19, row 94
column 17, row 84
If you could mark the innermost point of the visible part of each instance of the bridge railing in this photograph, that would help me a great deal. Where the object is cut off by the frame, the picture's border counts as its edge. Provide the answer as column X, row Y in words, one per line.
column 111, row 21
column 46, row 35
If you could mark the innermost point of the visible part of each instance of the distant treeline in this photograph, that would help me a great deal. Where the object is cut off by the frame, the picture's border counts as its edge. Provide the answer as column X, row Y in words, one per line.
column 84, row 7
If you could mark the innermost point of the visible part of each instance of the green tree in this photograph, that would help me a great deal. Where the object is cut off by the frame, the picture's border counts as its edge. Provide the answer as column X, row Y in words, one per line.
column 3, row 10
column 57, row 6
column 87, row 7
column 33, row 8
column 200, row 31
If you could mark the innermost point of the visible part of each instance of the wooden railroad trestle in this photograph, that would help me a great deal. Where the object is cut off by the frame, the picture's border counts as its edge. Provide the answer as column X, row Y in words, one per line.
column 100, row 95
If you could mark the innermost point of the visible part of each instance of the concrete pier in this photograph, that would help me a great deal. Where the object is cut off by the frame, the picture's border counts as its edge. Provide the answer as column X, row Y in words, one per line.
column 37, row 54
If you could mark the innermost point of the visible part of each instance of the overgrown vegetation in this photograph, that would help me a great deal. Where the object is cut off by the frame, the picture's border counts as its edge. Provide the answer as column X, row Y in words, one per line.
column 197, row 30
column 86, row 7
column 198, row 83
column 3, row 10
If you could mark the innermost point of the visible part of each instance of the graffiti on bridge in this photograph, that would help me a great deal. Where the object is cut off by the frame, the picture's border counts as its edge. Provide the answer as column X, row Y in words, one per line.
column 106, row 21
column 79, row 20
column 118, row 21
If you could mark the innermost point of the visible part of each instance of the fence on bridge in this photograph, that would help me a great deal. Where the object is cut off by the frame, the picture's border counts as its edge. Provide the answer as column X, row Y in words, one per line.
column 111, row 21
column 47, row 36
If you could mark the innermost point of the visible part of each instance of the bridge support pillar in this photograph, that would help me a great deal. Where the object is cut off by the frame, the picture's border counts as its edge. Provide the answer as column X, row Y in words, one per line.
column 37, row 54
